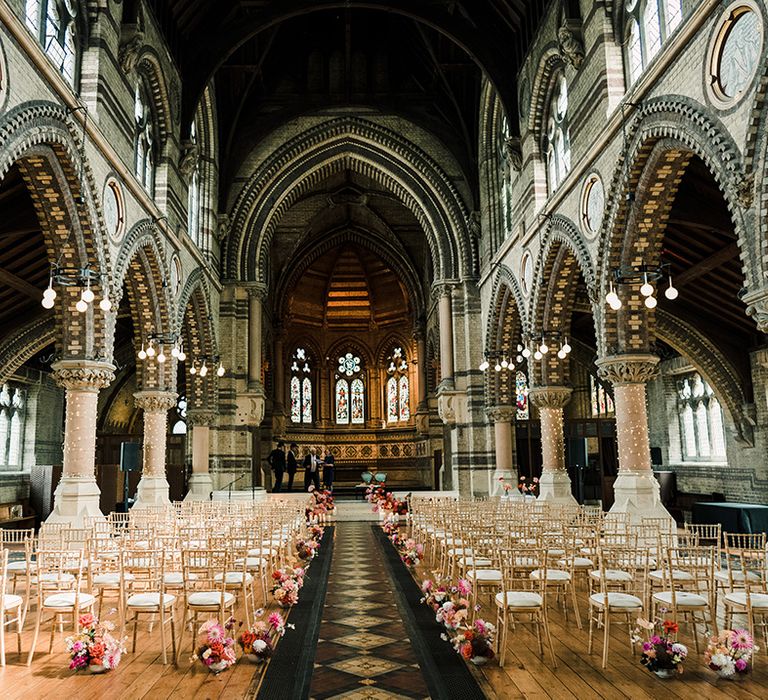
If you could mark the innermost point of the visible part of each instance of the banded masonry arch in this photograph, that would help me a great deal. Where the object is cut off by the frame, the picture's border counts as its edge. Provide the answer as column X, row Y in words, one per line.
column 491, row 156
column 664, row 135
column 45, row 143
column 563, row 262
column 142, row 269
column 353, row 144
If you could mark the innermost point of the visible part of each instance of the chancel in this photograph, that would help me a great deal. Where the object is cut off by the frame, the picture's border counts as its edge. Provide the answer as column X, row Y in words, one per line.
column 376, row 349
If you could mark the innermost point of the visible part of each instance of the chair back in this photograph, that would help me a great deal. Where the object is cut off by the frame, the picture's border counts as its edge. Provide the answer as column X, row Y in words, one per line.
column 58, row 570
column 699, row 563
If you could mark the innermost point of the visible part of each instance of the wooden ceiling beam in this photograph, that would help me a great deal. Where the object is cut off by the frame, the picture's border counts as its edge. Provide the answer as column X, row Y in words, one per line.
column 710, row 263
column 20, row 285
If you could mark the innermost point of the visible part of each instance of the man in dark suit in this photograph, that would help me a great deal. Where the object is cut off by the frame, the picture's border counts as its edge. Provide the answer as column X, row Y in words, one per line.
column 328, row 467
column 276, row 461
column 291, row 464
column 312, row 469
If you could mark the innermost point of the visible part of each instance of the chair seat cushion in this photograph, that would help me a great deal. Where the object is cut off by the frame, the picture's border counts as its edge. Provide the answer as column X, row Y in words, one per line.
column 616, row 600
column 234, row 577
column 611, row 575
column 474, row 561
column 578, row 562
column 261, row 552
column 111, row 579
column 519, row 599
column 552, row 575
column 149, row 600
column 682, row 598
column 459, row 551
column 484, row 574
column 758, row 600
column 677, row 575
column 15, row 567
column 721, row 575
column 66, row 599
column 55, row 578
column 176, row 578
column 209, row 598
column 12, row 601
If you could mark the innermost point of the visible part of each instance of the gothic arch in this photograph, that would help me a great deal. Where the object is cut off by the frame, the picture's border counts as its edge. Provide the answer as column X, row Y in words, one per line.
column 25, row 344
column 663, row 135
column 393, row 340
column 491, row 113
column 349, row 143
column 194, row 323
column 549, row 63
column 149, row 68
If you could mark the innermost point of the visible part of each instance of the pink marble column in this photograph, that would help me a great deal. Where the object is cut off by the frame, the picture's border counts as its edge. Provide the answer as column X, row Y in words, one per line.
column 153, row 486
column 200, row 483
column 503, row 419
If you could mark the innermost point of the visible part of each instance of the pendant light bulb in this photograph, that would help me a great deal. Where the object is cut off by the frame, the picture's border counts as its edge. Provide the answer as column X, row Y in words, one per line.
column 526, row 352
column 562, row 354
column 150, row 349
column 81, row 306
column 142, row 353
column 537, row 355
column 504, row 363
column 566, row 346
column 647, row 288
column 105, row 304
column 47, row 302
column 543, row 348
column 484, row 365
column 519, row 359
column 175, row 351
column 161, row 356
column 650, row 302
column 497, row 367
column 88, row 296
column 193, row 370
column 671, row 292
column 220, row 370
column 203, row 369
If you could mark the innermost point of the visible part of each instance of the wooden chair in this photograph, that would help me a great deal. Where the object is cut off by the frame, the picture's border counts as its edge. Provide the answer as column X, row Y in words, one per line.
column 19, row 545
column 749, row 592
column 58, row 579
column 10, row 605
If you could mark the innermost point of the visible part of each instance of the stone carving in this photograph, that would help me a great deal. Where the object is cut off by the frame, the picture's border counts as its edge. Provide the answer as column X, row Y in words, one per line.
column 627, row 369
column 570, row 43
column 474, row 225
column 155, row 401
column 256, row 290
column 130, row 49
column 501, row 414
column 757, row 308
column 83, row 375
column 550, row 396
column 190, row 157
column 201, row 417
column 745, row 191
column 224, row 222
column 452, row 407
column 513, row 152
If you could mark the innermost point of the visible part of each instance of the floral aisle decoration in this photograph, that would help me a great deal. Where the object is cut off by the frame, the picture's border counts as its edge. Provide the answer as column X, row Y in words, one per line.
column 385, row 501
column 475, row 643
column 391, row 525
column 216, row 649
column 411, row 552
column 316, row 532
column 257, row 642
column 662, row 654
column 730, row 653
column 306, row 550
column 320, row 506
column 528, row 488
column 288, row 581
column 450, row 602
column 94, row 647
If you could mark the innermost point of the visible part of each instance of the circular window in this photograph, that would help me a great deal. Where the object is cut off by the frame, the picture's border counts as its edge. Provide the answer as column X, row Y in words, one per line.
column 735, row 53
column 592, row 204
column 526, row 272
column 114, row 209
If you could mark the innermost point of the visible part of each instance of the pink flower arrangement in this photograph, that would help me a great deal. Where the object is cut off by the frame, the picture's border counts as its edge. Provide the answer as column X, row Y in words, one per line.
column 661, row 651
column 381, row 499
column 476, row 642
column 730, row 652
column 316, row 532
column 528, row 488
column 412, row 553
column 322, row 503
column 94, row 645
column 217, row 648
column 258, row 641
column 307, row 549
column 287, row 583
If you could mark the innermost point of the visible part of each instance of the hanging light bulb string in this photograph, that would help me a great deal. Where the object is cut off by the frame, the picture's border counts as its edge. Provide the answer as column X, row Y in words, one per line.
column 645, row 276
column 541, row 347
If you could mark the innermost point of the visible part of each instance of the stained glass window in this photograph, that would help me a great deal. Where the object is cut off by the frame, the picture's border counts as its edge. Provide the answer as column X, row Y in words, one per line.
column 358, row 401
column 342, row 401
column 53, row 24
column 295, row 400
column 145, row 147
column 600, row 400
column 193, row 196
column 306, row 400
column 405, row 409
column 521, row 396
column 392, row 407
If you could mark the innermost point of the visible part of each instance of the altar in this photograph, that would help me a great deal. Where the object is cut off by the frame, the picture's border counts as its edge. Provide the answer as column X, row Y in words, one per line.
column 257, row 494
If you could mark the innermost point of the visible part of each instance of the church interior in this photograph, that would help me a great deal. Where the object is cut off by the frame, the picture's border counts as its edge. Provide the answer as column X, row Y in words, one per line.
column 401, row 289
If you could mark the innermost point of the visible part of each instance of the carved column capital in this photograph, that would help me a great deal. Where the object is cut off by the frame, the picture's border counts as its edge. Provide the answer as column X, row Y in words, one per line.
column 83, row 375
column 201, row 417
column 628, row 368
column 257, row 290
column 443, row 288
column 501, row 414
column 155, row 401
column 550, row 396
column 757, row 308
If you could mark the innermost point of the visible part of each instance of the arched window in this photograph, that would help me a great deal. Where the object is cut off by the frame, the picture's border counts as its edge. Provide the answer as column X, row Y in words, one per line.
column 635, row 51
column 602, row 403
column 349, row 391
column 12, row 415
column 652, row 27
column 398, row 387
column 649, row 25
column 193, row 196
column 557, row 145
column 342, row 402
column 701, row 420
column 180, row 426
column 53, row 24
column 145, row 138
column 505, row 178
column 357, row 402
column 301, row 387
column 673, row 14
column 522, row 411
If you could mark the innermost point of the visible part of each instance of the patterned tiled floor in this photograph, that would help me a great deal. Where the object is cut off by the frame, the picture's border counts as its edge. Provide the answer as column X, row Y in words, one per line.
column 363, row 652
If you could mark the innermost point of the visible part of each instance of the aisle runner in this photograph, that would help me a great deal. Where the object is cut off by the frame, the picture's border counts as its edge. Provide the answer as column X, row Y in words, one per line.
column 363, row 652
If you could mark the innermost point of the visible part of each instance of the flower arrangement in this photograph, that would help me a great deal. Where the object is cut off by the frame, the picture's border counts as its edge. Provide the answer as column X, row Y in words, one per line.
column 322, row 503
column 257, row 642
column 94, row 646
column 730, row 652
column 475, row 643
column 307, row 549
column 528, row 489
column 411, row 553
column 288, row 582
column 661, row 653
column 217, row 647
column 450, row 603
column 390, row 525
column 383, row 500
column 316, row 532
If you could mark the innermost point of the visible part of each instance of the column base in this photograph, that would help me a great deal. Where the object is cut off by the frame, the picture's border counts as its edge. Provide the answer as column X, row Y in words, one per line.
column 638, row 495
column 200, row 487
column 74, row 499
column 555, row 487
column 152, row 491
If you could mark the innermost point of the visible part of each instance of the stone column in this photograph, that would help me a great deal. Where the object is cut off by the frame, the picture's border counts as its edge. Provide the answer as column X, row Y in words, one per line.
column 256, row 296
column 200, row 483
column 503, row 419
column 279, row 370
column 554, row 483
column 77, row 494
column 636, row 490
column 153, row 486
column 445, row 316
column 421, row 366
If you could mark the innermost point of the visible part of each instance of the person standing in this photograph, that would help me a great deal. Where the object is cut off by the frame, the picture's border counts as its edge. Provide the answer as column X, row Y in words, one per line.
column 291, row 464
column 311, row 469
column 276, row 461
column 328, row 467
